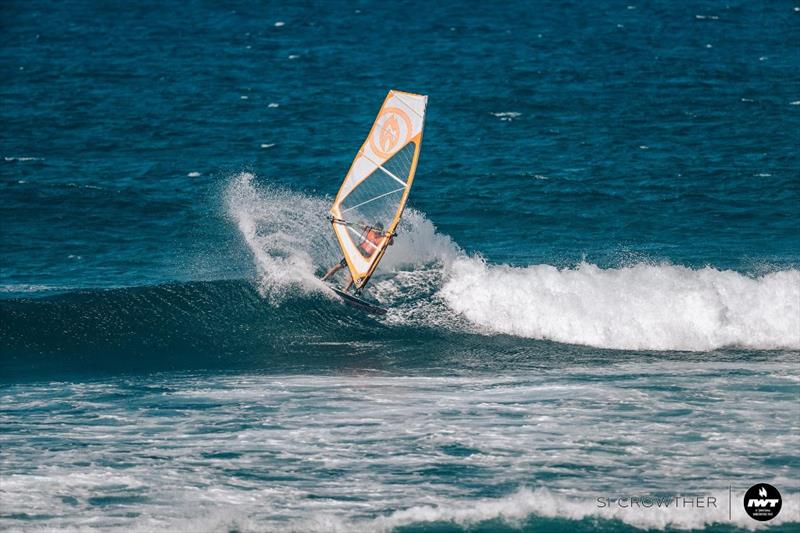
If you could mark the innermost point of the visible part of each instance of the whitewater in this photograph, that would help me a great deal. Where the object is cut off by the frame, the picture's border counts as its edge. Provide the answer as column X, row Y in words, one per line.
column 373, row 452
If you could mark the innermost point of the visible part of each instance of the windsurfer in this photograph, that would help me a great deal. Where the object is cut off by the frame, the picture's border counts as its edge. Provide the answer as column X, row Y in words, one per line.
column 370, row 242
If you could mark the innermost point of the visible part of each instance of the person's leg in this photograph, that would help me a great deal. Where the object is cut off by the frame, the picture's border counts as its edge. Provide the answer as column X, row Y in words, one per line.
column 334, row 269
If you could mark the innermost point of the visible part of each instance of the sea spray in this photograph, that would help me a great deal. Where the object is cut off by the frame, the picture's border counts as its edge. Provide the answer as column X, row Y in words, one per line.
column 286, row 232
column 292, row 243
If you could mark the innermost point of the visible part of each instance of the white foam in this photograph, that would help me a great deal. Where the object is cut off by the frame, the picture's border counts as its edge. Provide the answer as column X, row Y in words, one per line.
column 22, row 158
column 517, row 508
column 284, row 435
column 30, row 288
column 194, row 174
column 77, row 186
column 507, row 116
column 644, row 306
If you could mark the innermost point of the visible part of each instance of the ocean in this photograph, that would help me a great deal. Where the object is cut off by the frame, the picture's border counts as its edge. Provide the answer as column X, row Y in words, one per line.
column 593, row 298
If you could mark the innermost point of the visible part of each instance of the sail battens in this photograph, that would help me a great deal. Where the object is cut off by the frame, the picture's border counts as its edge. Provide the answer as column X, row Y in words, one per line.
column 369, row 193
column 374, row 199
column 402, row 100
column 395, row 178
column 403, row 183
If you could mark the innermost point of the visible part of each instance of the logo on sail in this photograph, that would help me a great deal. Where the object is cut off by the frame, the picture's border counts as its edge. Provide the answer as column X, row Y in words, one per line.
column 392, row 130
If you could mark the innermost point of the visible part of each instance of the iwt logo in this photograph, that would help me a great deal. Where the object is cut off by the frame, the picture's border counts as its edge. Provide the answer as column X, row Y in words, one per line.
column 762, row 502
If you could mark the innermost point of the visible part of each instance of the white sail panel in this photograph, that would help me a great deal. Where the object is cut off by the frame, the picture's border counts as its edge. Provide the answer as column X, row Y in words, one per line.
column 370, row 202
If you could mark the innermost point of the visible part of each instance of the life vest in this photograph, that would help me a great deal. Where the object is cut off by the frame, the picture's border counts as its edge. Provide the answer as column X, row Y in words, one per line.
column 371, row 241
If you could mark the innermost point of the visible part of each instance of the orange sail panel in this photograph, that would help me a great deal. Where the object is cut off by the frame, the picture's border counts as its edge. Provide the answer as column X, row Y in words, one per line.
column 370, row 201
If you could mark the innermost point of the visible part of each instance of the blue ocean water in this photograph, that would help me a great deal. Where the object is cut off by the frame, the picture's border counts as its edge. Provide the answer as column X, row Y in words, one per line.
column 595, row 291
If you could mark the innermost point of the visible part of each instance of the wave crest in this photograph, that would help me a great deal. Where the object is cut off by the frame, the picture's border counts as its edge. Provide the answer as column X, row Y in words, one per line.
column 644, row 306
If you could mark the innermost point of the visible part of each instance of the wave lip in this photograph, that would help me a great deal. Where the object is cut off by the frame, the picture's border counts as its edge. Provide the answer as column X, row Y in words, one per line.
column 292, row 244
column 640, row 307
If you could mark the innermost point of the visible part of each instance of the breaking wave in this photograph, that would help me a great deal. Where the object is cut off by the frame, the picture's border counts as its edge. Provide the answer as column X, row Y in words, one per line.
column 442, row 302
column 638, row 307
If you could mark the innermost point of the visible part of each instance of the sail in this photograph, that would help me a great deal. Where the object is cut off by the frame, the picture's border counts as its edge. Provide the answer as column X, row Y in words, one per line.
column 370, row 202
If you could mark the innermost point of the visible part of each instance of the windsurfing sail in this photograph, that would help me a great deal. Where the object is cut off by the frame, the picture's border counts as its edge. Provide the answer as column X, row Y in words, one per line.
column 372, row 197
